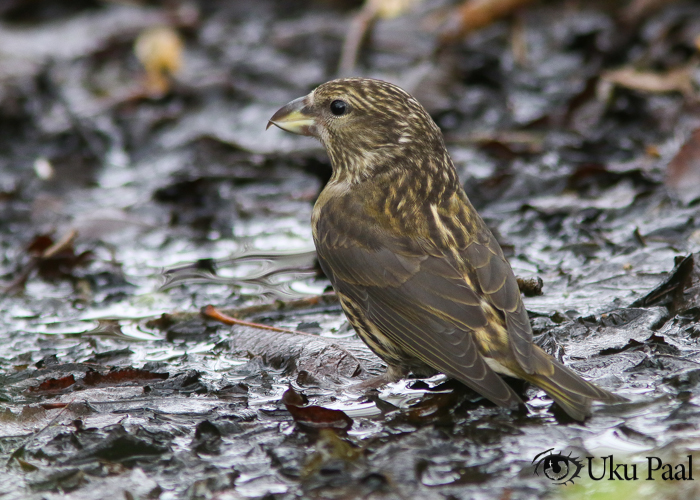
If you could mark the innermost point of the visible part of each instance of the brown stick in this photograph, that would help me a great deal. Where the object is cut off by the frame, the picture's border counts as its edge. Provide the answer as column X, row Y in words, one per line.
column 359, row 26
column 242, row 312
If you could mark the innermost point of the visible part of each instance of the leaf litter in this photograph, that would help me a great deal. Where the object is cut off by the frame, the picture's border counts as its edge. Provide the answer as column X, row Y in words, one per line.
column 573, row 128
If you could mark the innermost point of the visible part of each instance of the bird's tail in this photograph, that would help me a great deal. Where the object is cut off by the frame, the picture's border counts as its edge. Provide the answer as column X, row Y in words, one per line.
column 569, row 390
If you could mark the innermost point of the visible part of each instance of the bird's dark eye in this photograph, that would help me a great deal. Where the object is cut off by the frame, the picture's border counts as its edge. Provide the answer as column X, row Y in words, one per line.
column 339, row 108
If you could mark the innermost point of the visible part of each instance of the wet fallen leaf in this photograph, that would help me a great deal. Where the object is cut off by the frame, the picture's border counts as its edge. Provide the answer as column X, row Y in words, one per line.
column 431, row 407
column 122, row 376
column 683, row 171
column 54, row 384
column 53, row 406
column 94, row 378
column 294, row 398
column 207, row 438
column 325, row 360
column 118, row 444
column 61, row 264
column 51, row 259
column 531, row 287
column 314, row 417
column 26, row 466
column 670, row 291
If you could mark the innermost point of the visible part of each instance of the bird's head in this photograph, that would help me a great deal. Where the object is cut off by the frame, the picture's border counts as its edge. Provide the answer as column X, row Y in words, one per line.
column 363, row 124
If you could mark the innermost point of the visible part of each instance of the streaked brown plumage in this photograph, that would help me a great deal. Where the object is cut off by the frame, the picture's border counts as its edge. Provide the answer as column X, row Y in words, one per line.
column 419, row 275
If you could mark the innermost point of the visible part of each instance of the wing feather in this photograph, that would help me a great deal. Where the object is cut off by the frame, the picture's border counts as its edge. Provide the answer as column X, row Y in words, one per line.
column 426, row 301
column 501, row 289
column 446, row 348
column 422, row 304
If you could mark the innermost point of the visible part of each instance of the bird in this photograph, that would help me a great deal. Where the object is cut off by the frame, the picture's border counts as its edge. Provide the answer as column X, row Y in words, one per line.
column 418, row 273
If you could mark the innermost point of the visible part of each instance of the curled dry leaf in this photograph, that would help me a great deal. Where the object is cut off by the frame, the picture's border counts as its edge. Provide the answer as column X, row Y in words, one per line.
column 160, row 51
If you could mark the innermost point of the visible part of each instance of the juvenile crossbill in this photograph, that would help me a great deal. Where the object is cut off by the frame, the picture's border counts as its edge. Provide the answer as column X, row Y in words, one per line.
column 418, row 273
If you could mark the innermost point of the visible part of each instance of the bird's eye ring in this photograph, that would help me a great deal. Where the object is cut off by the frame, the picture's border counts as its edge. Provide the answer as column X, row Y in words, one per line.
column 338, row 107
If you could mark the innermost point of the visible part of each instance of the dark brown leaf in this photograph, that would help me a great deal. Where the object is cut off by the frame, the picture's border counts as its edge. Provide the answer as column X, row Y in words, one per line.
column 683, row 171
column 292, row 397
column 54, row 384
column 39, row 244
column 314, row 417
column 431, row 407
column 121, row 376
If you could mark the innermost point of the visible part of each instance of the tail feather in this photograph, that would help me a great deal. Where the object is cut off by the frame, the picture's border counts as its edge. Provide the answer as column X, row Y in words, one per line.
column 568, row 389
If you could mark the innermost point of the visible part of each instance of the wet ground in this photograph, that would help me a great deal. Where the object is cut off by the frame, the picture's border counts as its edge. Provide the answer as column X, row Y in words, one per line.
column 129, row 200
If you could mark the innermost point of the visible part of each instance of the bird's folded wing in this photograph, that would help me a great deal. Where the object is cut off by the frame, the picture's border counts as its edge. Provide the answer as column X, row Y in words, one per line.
column 419, row 301
column 439, row 284
column 500, row 288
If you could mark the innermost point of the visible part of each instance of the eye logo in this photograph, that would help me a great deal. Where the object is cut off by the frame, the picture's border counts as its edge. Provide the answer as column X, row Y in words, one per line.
column 557, row 467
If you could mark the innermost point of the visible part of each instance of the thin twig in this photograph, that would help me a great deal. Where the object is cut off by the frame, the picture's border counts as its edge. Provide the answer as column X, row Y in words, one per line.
column 63, row 244
column 359, row 26
column 244, row 312
column 213, row 313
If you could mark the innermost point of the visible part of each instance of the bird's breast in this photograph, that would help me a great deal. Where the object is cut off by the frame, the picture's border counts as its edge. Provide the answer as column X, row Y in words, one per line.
column 332, row 194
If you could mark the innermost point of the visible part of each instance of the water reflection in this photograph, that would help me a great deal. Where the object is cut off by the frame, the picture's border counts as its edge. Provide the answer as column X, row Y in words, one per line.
column 278, row 273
